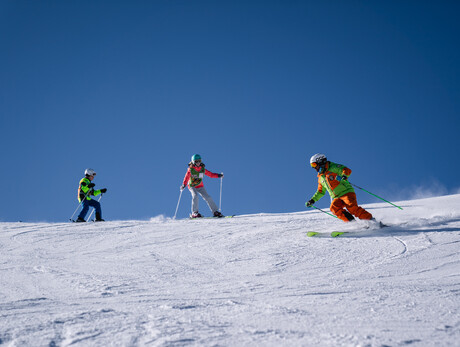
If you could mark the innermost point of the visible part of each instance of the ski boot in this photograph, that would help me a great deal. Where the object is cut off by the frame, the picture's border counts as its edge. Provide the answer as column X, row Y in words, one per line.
column 217, row 214
column 99, row 218
column 196, row 215
column 349, row 216
column 378, row 223
column 80, row 220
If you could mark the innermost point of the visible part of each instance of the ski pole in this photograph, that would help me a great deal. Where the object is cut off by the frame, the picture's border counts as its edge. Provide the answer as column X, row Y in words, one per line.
column 220, row 198
column 354, row 185
column 177, row 207
column 324, row 211
column 89, row 218
column 81, row 202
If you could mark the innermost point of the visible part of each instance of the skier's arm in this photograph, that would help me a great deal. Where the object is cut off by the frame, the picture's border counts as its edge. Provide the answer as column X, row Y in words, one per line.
column 186, row 178
column 319, row 193
column 211, row 174
column 346, row 171
column 86, row 187
column 341, row 170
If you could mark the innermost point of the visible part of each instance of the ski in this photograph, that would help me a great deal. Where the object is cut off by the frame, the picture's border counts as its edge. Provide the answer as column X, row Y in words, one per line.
column 335, row 233
column 88, row 221
column 231, row 216
column 323, row 234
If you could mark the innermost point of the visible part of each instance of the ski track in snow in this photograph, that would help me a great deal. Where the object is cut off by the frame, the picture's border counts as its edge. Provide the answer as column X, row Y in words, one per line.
column 244, row 281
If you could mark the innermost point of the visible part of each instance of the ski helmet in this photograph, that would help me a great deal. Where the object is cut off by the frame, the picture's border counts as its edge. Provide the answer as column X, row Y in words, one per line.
column 318, row 160
column 195, row 158
column 90, row 172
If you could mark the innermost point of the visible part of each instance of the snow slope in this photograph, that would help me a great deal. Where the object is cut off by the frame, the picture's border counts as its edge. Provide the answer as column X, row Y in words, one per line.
column 244, row 281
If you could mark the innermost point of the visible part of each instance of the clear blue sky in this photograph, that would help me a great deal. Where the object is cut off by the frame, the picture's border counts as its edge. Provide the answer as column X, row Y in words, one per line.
column 133, row 88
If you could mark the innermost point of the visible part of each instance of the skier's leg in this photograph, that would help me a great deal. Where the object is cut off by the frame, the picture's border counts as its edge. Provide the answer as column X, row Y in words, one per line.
column 351, row 203
column 195, row 201
column 204, row 194
column 97, row 206
column 84, row 210
column 337, row 209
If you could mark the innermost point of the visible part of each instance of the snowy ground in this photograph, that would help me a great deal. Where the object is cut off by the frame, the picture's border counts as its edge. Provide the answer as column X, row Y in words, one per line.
column 244, row 281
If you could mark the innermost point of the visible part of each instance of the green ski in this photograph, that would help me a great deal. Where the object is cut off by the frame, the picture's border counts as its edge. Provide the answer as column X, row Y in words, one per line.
column 337, row 233
column 331, row 234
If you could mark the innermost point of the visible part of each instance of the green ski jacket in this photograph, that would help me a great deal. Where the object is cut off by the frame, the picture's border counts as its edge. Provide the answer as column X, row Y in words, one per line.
column 327, row 181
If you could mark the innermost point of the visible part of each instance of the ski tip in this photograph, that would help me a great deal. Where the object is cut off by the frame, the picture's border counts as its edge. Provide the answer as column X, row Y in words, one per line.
column 337, row 233
column 312, row 233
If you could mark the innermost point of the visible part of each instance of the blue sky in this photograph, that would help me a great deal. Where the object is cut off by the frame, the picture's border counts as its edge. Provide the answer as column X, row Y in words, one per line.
column 132, row 89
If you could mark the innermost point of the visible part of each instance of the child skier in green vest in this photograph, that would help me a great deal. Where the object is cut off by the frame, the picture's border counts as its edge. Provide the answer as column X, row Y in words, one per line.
column 194, row 179
column 85, row 190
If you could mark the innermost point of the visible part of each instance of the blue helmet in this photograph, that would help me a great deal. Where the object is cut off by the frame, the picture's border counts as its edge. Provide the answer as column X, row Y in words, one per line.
column 195, row 158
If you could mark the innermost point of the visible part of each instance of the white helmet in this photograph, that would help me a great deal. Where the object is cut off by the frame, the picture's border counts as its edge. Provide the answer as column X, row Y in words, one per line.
column 90, row 172
column 319, row 159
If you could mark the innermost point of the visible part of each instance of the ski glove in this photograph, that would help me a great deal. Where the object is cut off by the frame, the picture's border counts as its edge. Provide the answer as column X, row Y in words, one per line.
column 182, row 187
column 103, row 190
column 91, row 185
column 310, row 203
column 220, row 175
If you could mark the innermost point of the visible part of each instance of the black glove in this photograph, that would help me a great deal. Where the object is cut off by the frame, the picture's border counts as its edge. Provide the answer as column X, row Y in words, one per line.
column 182, row 187
column 220, row 175
column 310, row 203
column 103, row 190
column 91, row 185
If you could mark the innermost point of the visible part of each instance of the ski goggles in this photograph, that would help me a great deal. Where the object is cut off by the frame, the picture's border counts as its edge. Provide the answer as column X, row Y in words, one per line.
column 314, row 165
column 196, row 162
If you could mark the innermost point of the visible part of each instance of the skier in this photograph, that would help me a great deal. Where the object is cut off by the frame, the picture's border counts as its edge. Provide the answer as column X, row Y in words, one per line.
column 333, row 178
column 85, row 190
column 194, row 179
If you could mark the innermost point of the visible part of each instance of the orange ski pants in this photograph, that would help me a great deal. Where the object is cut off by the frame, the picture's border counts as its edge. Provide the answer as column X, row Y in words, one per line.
column 351, row 204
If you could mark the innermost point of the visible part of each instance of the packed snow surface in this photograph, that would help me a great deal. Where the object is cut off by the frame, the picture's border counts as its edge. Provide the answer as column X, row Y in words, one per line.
column 253, row 280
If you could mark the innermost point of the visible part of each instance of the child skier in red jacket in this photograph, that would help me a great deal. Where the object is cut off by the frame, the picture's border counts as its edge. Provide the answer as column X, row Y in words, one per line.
column 194, row 179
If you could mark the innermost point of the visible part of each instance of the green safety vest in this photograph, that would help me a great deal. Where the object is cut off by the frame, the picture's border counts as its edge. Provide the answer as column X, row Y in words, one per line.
column 83, row 190
column 196, row 177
